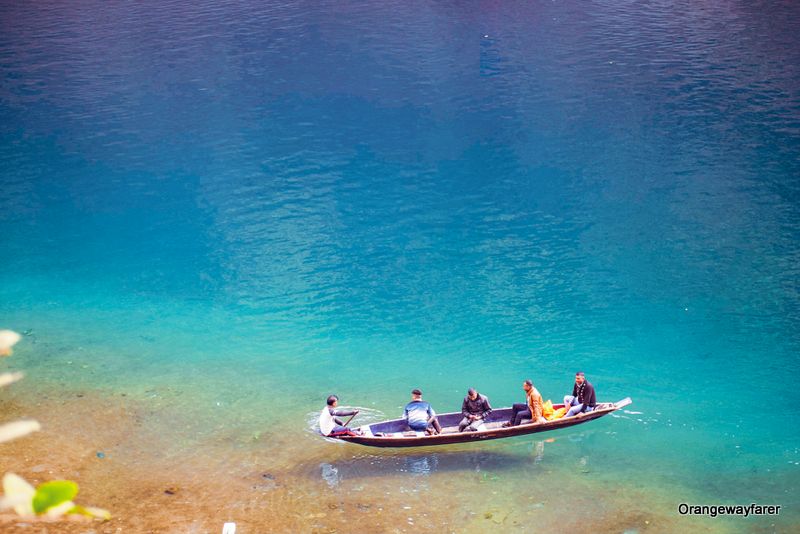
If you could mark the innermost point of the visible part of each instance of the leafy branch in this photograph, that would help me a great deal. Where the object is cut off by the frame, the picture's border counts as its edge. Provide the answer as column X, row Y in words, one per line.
column 50, row 499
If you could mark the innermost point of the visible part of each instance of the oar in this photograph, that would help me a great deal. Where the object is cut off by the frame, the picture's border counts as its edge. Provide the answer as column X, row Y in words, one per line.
column 351, row 418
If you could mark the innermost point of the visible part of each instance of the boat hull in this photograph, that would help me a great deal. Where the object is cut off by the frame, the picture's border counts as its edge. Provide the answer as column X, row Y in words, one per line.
column 395, row 433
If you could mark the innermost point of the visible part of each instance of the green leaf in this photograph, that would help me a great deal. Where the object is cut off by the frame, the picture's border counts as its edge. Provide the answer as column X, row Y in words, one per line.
column 52, row 494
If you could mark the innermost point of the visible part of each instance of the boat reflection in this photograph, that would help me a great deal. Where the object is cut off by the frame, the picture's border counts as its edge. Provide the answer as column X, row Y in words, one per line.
column 522, row 457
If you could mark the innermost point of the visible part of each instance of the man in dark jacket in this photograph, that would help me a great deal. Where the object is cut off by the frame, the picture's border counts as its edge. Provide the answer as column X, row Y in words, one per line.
column 582, row 398
column 475, row 409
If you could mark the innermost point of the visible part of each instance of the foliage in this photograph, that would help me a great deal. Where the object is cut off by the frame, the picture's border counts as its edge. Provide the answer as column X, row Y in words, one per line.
column 8, row 338
column 54, row 493
column 17, row 429
column 52, row 499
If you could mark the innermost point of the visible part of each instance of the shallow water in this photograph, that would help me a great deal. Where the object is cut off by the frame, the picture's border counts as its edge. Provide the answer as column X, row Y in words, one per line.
column 227, row 212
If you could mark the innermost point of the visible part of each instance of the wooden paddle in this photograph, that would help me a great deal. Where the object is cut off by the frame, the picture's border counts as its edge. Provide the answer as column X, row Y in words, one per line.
column 351, row 418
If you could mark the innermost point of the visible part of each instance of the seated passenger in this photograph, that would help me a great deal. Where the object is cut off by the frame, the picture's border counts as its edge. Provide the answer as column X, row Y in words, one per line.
column 475, row 409
column 532, row 409
column 329, row 422
column 582, row 399
column 420, row 415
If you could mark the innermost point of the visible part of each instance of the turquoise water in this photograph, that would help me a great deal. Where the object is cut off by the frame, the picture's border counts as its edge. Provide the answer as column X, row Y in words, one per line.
column 254, row 206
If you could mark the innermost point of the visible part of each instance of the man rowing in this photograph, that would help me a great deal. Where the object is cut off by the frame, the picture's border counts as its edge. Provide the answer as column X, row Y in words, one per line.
column 329, row 422
column 475, row 409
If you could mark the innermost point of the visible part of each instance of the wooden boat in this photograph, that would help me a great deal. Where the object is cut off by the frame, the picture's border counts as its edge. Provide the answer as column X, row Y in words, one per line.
column 395, row 433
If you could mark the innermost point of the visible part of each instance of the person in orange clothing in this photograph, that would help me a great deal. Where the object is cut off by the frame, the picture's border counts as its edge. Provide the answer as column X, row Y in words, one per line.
column 532, row 409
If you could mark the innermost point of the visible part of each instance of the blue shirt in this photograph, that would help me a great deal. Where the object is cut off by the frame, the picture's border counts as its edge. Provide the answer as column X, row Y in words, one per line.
column 418, row 413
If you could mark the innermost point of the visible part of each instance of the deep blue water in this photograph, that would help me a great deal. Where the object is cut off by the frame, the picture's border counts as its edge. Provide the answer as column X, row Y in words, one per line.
column 366, row 198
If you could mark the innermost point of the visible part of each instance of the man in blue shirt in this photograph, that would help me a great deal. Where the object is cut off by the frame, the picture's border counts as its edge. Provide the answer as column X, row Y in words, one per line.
column 420, row 415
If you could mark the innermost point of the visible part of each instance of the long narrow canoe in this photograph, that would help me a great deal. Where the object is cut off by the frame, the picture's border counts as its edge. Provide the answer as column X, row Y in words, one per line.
column 395, row 433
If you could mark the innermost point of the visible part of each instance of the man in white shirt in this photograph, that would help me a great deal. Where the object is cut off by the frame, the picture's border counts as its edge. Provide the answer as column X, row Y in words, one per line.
column 329, row 422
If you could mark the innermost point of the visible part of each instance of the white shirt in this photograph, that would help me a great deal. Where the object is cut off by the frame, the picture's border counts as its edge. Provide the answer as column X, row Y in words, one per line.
column 326, row 422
